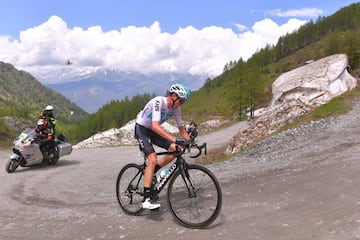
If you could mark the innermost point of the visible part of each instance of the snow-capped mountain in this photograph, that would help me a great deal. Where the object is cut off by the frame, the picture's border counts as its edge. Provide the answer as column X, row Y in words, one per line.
column 92, row 87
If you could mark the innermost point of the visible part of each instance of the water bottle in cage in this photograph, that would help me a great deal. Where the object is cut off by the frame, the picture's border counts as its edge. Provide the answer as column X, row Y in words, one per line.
column 162, row 174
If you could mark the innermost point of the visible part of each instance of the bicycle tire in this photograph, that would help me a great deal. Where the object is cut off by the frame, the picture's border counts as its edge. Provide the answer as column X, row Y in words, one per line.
column 129, row 188
column 199, row 211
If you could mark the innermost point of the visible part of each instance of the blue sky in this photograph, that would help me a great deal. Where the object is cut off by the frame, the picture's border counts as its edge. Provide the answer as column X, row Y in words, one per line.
column 17, row 15
column 194, row 36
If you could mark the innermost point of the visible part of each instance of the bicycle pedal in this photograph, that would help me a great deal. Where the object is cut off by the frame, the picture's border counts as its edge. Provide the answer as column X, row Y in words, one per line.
column 155, row 210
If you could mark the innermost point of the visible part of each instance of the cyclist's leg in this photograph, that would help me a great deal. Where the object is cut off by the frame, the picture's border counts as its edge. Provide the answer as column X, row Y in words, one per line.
column 143, row 135
column 165, row 160
column 149, row 170
column 166, row 144
column 148, row 175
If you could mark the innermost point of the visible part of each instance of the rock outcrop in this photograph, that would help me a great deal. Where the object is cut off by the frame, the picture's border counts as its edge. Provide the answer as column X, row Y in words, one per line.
column 296, row 93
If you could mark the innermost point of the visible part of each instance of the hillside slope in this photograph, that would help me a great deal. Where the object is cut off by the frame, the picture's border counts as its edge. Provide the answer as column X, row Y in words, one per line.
column 20, row 89
column 23, row 97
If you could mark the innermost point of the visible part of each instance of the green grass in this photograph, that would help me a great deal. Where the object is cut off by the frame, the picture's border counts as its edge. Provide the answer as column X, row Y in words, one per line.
column 212, row 104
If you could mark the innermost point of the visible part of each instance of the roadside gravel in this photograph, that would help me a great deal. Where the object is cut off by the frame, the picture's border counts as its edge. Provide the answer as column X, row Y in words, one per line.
column 300, row 147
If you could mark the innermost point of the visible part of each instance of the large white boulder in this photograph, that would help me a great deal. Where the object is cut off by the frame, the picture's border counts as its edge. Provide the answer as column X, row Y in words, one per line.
column 296, row 93
column 315, row 83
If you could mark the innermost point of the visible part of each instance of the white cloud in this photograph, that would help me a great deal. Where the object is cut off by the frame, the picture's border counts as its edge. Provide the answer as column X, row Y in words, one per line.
column 303, row 12
column 240, row 27
column 145, row 49
column 265, row 32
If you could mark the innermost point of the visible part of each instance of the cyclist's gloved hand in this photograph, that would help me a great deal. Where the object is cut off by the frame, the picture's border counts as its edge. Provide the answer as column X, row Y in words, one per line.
column 182, row 142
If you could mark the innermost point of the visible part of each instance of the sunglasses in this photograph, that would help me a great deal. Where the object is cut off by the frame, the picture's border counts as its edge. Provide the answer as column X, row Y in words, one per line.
column 182, row 101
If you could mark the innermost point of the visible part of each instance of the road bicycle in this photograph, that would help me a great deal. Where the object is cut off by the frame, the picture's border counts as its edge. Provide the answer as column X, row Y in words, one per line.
column 193, row 195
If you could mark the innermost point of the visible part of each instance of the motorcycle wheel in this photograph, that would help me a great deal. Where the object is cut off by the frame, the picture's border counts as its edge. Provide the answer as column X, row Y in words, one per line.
column 54, row 161
column 11, row 165
column 56, row 157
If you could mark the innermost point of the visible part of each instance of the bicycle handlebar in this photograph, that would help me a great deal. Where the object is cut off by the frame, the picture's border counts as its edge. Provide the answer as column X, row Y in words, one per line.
column 200, row 148
column 179, row 151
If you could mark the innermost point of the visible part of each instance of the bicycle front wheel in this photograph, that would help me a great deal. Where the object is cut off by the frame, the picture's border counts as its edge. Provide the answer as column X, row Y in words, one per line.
column 129, row 188
column 195, row 200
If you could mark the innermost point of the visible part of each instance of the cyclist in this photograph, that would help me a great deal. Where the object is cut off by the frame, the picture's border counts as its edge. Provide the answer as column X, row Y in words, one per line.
column 148, row 131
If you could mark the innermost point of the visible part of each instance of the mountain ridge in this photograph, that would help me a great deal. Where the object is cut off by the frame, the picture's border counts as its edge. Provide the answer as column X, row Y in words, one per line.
column 91, row 88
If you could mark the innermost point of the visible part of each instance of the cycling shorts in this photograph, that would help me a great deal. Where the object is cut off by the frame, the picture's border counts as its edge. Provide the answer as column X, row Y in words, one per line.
column 146, row 138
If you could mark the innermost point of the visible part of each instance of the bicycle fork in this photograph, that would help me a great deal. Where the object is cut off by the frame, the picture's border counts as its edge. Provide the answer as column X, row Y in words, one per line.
column 187, row 180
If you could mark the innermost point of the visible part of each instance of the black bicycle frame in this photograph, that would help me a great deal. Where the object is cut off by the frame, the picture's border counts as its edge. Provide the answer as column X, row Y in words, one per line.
column 178, row 164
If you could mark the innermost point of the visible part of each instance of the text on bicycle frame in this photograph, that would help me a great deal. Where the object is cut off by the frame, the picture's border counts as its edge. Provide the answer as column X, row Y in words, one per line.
column 163, row 181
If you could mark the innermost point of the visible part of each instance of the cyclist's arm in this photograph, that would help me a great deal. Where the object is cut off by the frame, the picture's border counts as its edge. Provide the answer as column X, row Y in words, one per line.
column 184, row 133
column 181, row 125
column 156, row 127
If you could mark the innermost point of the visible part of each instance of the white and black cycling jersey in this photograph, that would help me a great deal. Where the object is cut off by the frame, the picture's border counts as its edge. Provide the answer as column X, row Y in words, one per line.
column 157, row 110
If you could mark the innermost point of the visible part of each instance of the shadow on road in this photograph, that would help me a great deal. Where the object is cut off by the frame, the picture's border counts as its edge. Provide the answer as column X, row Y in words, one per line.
column 60, row 163
column 158, row 216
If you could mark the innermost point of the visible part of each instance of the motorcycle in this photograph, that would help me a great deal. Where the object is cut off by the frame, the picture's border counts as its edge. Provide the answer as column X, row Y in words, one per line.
column 26, row 150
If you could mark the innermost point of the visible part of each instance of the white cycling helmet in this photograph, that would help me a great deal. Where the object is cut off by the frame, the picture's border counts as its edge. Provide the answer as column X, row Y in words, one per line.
column 181, row 90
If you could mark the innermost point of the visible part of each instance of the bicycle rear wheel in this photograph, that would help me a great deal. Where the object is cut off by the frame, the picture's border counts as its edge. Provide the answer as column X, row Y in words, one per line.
column 129, row 188
column 199, row 204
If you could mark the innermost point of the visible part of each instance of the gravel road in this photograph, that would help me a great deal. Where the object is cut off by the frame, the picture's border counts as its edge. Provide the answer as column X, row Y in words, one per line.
column 300, row 184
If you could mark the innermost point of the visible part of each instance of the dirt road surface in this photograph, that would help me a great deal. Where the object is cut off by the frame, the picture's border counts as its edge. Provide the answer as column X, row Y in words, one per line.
column 301, row 184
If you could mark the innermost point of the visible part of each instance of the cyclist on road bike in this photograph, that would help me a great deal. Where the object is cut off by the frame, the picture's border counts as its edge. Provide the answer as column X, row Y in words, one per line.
column 148, row 131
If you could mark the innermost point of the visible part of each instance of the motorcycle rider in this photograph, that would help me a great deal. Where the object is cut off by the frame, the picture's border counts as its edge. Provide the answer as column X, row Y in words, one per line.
column 46, row 132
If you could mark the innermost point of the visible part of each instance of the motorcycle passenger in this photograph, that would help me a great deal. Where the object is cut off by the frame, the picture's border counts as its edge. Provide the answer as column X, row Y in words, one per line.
column 46, row 132
column 148, row 131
